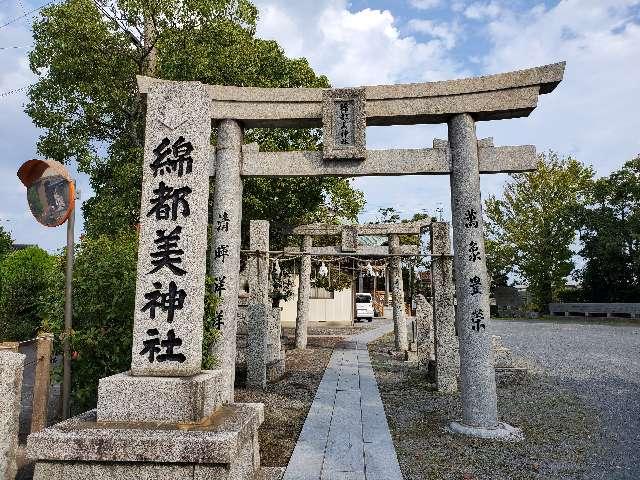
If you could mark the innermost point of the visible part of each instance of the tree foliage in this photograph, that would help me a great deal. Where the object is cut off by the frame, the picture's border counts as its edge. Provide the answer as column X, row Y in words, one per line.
column 611, row 238
column 87, row 54
column 530, row 231
column 6, row 242
column 24, row 279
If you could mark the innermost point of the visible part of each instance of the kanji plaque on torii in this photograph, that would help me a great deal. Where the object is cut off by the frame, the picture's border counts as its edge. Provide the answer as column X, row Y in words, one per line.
column 460, row 104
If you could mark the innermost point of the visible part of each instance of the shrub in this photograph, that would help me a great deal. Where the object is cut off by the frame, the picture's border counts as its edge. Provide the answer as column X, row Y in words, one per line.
column 104, row 282
column 25, row 276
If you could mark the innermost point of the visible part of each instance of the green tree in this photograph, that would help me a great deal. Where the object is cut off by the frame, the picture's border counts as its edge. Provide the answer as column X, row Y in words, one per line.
column 6, row 242
column 611, row 238
column 24, row 280
column 531, row 230
column 86, row 56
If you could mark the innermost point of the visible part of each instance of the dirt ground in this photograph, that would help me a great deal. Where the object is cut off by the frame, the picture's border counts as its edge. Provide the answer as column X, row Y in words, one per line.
column 558, row 427
column 288, row 400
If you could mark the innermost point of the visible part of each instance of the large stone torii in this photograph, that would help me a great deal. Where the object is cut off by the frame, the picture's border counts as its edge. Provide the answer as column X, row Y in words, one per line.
column 344, row 114
column 187, row 425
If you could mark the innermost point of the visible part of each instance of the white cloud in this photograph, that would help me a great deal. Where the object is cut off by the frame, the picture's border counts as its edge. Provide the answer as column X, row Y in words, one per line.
column 424, row 4
column 355, row 48
column 443, row 31
column 480, row 11
column 593, row 113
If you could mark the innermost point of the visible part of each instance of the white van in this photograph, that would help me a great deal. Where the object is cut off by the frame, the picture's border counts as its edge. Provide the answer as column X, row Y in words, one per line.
column 364, row 306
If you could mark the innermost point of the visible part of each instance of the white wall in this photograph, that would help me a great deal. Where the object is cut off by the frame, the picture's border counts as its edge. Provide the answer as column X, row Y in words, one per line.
column 338, row 309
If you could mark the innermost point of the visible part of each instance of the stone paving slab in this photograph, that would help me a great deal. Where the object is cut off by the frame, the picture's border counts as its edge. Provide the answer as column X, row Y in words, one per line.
column 345, row 435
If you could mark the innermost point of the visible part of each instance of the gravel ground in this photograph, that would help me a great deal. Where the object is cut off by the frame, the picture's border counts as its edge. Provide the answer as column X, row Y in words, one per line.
column 558, row 427
column 601, row 364
column 288, row 400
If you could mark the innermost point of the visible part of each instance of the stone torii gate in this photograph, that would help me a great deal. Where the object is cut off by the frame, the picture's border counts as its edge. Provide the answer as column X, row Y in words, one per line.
column 344, row 114
column 349, row 245
column 446, row 344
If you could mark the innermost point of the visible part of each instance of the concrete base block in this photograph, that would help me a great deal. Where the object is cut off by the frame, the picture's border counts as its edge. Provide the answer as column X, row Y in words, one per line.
column 223, row 446
column 129, row 398
column 502, row 431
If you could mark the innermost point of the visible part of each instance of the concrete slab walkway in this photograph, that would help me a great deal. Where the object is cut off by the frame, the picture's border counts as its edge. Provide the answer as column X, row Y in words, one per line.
column 345, row 435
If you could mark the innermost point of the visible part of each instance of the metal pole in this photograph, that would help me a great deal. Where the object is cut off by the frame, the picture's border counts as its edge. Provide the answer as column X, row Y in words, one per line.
column 68, row 317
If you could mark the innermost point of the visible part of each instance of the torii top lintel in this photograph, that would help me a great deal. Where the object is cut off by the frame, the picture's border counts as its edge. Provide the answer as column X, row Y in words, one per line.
column 493, row 97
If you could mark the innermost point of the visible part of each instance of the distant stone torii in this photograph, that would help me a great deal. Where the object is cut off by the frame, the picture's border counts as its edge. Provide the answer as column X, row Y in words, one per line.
column 343, row 115
column 446, row 345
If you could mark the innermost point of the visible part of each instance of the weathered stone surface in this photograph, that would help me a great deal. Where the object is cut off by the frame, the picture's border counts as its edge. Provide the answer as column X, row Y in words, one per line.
column 424, row 329
column 173, row 231
column 257, row 346
column 445, row 338
column 227, row 217
column 493, row 97
column 408, row 228
column 274, row 333
column 399, row 320
column 224, row 449
column 344, row 124
column 426, row 161
column 477, row 376
column 127, row 398
column 304, row 291
column 11, row 365
column 259, row 311
column 214, row 441
column 502, row 357
column 349, row 241
column 368, row 250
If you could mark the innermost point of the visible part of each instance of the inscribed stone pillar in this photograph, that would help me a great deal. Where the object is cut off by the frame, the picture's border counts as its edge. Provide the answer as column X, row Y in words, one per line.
column 424, row 329
column 477, row 376
column 446, row 341
column 304, row 291
column 169, row 307
column 11, row 366
column 259, row 312
column 399, row 320
column 225, row 248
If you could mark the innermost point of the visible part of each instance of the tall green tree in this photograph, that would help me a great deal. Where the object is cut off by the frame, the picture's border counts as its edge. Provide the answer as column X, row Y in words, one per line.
column 611, row 238
column 86, row 55
column 530, row 231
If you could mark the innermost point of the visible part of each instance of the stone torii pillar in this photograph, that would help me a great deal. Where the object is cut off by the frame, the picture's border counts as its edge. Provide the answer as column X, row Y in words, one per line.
column 304, row 291
column 399, row 320
column 477, row 374
column 227, row 216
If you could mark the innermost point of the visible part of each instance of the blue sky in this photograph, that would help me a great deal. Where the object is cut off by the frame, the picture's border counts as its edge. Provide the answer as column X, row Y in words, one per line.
column 592, row 115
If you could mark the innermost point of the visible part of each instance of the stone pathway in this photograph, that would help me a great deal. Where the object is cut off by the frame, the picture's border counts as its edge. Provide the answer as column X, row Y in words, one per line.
column 345, row 435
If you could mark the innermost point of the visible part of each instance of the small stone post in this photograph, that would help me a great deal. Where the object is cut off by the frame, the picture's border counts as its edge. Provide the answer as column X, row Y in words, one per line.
column 446, row 341
column 477, row 375
column 386, row 284
column 259, row 309
column 304, row 291
column 424, row 329
column 39, row 412
column 11, row 366
column 399, row 320
column 227, row 215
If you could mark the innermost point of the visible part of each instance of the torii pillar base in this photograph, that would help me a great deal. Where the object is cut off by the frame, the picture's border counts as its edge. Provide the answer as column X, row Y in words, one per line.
column 502, row 431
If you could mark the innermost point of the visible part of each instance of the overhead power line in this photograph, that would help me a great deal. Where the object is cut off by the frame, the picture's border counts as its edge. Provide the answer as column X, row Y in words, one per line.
column 31, row 12
column 14, row 91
